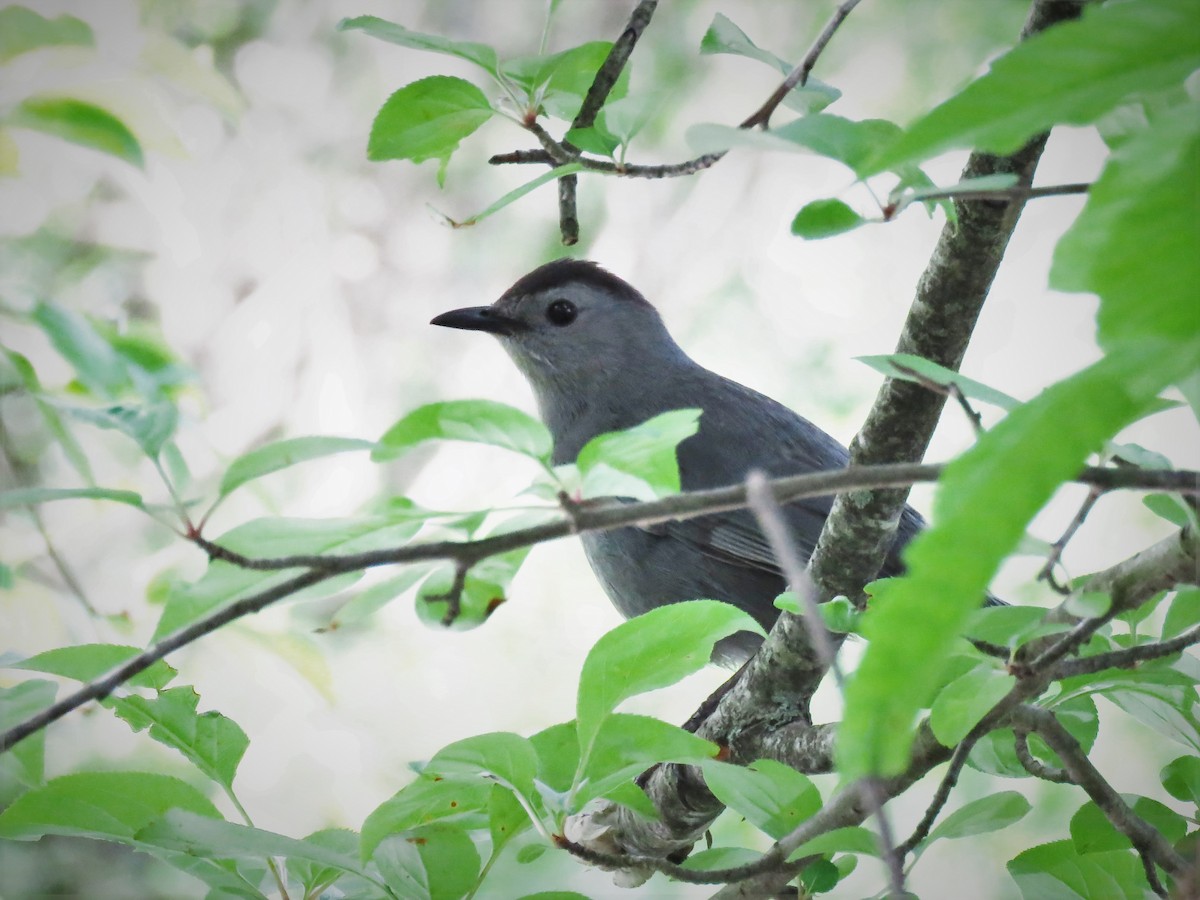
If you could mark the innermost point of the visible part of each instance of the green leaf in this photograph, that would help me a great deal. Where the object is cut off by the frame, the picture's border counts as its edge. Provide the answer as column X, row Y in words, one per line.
column 1134, row 243
column 1091, row 831
column 1183, row 614
column 1011, row 471
column 990, row 813
column 22, row 30
column 210, row 741
column 111, row 805
column 1056, row 871
column 848, row 141
column 964, row 701
column 150, row 424
column 624, row 748
column 908, row 367
column 500, row 755
column 438, row 862
column 427, row 119
column 426, row 800
column 476, row 421
column 224, row 582
column 506, row 818
column 281, row 454
column 1169, row 507
column 80, row 123
column 1011, row 626
column 25, row 762
column 1181, row 778
column 852, row 839
column 725, row 37
column 315, row 875
column 94, row 359
column 558, row 756
column 825, row 218
column 85, row 662
column 484, row 589
column 1072, row 74
column 998, row 183
column 562, row 79
column 653, row 650
column 640, row 460
column 480, row 54
column 517, row 193
column 773, row 797
column 370, row 600
column 32, row 496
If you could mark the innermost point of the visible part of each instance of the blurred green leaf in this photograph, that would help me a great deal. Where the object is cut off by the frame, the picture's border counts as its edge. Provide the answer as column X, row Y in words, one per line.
column 990, row 813
column 317, row 876
column 1137, row 202
column 224, row 582
column 517, row 193
column 438, row 862
column 562, row 79
column 998, row 183
column 110, row 805
column 25, row 763
column 484, row 590
column 1057, row 871
column 210, row 741
column 506, row 818
column 480, row 54
column 1071, row 74
column 500, row 755
column 896, row 365
column 22, row 30
column 852, row 839
column 85, row 662
column 1011, row 471
column 825, row 218
column 427, row 119
column 963, row 702
column 653, row 650
column 1091, row 831
column 33, row 496
column 773, row 797
column 281, row 454
column 476, row 421
column 370, row 600
column 1183, row 613
column 94, row 359
column 80, row 123
column 149, row 424
column 638, row 462
column 1169, row 507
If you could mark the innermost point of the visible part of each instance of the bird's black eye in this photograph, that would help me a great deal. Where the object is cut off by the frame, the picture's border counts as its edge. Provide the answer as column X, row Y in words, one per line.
column 561, row 312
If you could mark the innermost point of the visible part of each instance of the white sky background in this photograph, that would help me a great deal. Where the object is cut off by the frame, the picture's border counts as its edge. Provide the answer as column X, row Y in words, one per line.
column 298, row 279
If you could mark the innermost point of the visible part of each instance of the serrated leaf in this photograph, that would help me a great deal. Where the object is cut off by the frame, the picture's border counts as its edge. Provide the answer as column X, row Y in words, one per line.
column 475, row 421
column 80, row 123
column 645, row 453
column 908, row 367
column 480, row 54
column 281, row 454
column 111, row 805
column 427, row 119
column 428, row 799
column 85, row 662
column 34, row 496
column 22, row 30
column 773, row 797
column 653, row 650
column 990, row 813
column 825, row 218
column 500, row 755
column 1072, row 73
column 210, row 741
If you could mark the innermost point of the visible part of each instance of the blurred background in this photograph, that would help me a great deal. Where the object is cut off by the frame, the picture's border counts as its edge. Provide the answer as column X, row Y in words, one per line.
column 290, row 282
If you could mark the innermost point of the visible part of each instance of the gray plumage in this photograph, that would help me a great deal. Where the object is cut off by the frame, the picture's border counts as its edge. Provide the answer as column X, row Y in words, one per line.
column 600, row 359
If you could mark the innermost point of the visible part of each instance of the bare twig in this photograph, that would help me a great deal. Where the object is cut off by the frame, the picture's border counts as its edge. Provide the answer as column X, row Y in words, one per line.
column 1129, row 657
column 1056, row 549
column 798, row 77
column 1148, row 841
column 1032, row 764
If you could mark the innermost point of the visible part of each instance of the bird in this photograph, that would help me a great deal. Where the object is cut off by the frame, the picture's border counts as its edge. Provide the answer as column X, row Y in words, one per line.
column 599, row 358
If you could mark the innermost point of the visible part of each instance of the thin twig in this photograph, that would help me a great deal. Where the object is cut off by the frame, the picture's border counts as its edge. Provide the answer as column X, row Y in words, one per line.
column 1015, row 192
column 1128, row 657
column 64, row 568
column 1056, row 549
column 948, row 390
column 1148, row 841
column 798, row 77
column 1032, row 764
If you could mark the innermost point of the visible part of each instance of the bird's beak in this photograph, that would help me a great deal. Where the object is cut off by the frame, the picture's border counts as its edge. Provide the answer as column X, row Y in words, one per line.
column 478, row 318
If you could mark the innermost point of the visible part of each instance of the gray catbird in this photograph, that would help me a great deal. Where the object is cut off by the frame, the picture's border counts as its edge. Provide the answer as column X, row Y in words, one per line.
column 600, row 359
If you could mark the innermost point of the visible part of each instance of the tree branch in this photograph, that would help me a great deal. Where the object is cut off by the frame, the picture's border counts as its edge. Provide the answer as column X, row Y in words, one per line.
column 1129, row 657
